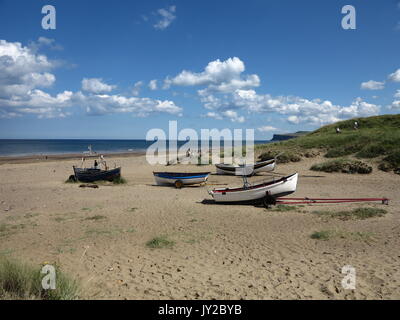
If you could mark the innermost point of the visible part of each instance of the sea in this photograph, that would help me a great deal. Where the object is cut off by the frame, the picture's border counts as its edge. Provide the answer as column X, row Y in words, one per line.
column 27, row 147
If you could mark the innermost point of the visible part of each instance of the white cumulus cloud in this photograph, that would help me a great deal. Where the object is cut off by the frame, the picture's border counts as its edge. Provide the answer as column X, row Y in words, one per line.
column 228, row 114
column 167, row 16
column 213, row 115
column 153, row 85
column 233, row 116
column 372, row 85
column 136, row 88
column 221, row 76
column 96, row 85
column 24, row 73
column 45, row 42
column 109, row 104
column 395, row 104
column 395, row 76
column 299, row 110
column 226, row 91
column 267, row 129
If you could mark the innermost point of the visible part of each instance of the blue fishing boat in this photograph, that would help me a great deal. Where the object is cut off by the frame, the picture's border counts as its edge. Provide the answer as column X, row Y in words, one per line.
column 179, row 179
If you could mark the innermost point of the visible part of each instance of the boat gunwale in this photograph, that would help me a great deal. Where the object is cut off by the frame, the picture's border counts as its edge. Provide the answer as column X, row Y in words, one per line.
column 257, row 165
column 181, row 175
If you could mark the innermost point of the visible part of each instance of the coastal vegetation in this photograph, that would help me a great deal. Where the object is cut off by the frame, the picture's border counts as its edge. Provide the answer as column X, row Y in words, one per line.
column 321, row 235
column 160, row 242
column 20, row 281
column 343, row 165
column 119, row 180
column 284, row 208
column 355, row 214
column 330, row 234
column 376, row 140
column 96, row 218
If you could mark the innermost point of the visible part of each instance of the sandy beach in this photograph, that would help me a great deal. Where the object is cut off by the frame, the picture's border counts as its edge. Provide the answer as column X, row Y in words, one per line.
column 99, row 236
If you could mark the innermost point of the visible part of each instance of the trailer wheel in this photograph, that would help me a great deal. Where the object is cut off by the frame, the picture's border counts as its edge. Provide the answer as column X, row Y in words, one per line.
column 178, row 184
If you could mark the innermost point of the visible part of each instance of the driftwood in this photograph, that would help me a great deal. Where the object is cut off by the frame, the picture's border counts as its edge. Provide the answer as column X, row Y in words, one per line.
column 87, row 185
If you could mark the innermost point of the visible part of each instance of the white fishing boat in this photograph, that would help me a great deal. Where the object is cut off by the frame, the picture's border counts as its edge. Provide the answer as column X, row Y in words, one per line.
column 248, row 193
column 247, row 170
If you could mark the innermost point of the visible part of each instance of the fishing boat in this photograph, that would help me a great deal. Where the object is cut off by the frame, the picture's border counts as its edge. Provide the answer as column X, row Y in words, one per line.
column 95, row 174
column 247, row 170
column 251, row 193
column 90, row 152
column 179, row 179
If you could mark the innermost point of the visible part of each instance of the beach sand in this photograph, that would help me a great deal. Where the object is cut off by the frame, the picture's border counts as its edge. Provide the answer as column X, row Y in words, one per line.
column 99, row 236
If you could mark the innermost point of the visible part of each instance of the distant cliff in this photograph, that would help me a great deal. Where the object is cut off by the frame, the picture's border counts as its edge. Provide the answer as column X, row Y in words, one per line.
column 287, row 136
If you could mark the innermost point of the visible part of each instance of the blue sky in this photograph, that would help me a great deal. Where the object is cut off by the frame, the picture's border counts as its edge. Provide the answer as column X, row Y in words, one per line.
column 274, row 66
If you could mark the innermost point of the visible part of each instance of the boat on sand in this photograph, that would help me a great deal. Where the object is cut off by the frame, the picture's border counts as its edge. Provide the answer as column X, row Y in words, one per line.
column 250, row 193
column 180, row 179
column 247, row 170
column 94, row 174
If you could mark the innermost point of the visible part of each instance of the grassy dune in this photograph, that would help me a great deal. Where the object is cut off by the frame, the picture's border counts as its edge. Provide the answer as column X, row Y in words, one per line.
column 377, row 140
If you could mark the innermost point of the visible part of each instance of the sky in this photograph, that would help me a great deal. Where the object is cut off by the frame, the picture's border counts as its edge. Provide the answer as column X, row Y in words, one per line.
column 116, row 69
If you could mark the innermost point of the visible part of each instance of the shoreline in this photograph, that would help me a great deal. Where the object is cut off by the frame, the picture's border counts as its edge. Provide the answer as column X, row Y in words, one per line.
column 66, row 156
column 36, row 158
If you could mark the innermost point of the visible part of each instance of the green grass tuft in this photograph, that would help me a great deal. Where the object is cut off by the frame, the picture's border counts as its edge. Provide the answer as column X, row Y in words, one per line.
column 330, row 234
column 321, row 235
column 282, row 157
column 372, row 151
column 356, row 214
column 9, row 229
column 391, row 162
column 119, row 180
column 21, row 281
column 160, row 242
column 342, row 151
column 283, row 208
column 96, row 218
column 344, row 166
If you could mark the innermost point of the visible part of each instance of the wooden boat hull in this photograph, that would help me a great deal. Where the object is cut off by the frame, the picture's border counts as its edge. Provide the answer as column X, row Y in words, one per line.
column 167, row 178
column 264, row 166
column 278, row 188
column 92, row 175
